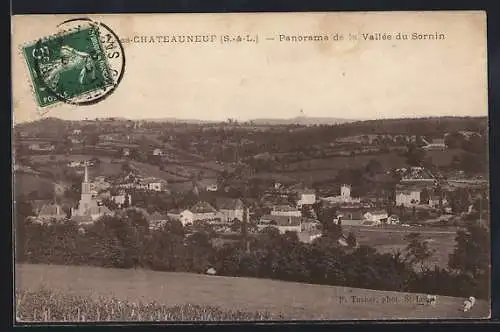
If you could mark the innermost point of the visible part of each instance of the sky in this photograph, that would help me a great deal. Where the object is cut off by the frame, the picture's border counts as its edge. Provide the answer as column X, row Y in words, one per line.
column 348, row 79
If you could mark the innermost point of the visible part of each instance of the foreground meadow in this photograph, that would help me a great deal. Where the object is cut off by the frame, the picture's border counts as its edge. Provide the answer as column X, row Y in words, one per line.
column 149, row 295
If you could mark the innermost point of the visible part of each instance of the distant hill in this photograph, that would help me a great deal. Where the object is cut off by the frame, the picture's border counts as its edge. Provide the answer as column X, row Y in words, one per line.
column 176, row 120
column 302, row 120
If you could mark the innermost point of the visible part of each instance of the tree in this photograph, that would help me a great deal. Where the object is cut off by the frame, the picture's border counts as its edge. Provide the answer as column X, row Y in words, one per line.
column 459, row 200
column 471, row 163
column 374, row 167
column 417, row 251
column 351, row 240
column 126, row 202
column 415, row 156
column 454, row 140
column 472, row 252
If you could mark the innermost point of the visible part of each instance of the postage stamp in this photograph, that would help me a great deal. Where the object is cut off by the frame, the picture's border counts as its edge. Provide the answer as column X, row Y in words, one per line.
column 73, row 66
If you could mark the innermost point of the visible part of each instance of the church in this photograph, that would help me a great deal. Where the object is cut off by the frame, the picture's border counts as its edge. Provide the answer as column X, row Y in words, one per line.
column 88, row 209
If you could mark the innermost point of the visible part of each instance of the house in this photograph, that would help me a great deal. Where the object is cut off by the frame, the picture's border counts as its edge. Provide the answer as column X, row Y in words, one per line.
column 60, row 188
column 100, row 183
column 208, row 184
column 306, row 197
column 125, row 152
column 212, row 187
column 38, row 204
column 76, row 140
column 157, row 152
column 204, row 211
column 230, row 208
column 122, row 199
column 376, row 217
column 76, row 163
column 409, row 195
column 186, row 217
column 344, row 197
column 282, row 223
column 310, row 225
column 436, row 201
column 350, row 216
column 309, row 237
column 50, row 212
column 416, row 175
column 41, row 147
column 156, row 220
column 285, row 210
column 435, row 145
column 153, row 184
column 393, row 220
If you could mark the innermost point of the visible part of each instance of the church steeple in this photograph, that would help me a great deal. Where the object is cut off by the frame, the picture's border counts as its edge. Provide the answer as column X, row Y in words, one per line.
column 86, row 185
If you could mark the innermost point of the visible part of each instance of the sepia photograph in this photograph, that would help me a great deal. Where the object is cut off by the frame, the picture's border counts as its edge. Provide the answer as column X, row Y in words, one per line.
column 250, row 167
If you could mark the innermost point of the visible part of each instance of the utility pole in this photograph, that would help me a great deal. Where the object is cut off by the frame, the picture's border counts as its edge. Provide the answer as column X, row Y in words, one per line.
column 244, row 229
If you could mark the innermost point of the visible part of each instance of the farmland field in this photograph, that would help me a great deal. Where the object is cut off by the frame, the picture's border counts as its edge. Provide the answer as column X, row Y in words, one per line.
column 28, row 183
column 443, row 158
column 389, row 240
column 287, row 300
column 388, row 161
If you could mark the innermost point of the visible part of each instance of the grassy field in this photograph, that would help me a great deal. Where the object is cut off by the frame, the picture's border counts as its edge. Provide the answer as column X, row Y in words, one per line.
column 443, row 158
column 27, row 183
column 389, row 240
column 278, row 299
column 388, row 161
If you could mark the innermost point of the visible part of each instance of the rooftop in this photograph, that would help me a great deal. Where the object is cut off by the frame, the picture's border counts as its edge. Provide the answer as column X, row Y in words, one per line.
column 281, row 220
column 284, row 208
column 223, row 203
column 202, row 207
column 51, row 210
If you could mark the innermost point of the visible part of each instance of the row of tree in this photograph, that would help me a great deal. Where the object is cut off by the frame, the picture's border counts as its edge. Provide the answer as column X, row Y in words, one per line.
column 125, row 241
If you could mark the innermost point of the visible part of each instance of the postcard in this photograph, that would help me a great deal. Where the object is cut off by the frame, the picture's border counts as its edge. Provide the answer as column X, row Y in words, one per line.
column 250, row 167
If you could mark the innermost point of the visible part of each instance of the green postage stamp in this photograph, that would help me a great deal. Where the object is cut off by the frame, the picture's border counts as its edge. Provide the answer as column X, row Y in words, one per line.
column 70, row 67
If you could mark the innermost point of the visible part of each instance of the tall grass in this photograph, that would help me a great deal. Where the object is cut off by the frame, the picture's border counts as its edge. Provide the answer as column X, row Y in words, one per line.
column 45, row 305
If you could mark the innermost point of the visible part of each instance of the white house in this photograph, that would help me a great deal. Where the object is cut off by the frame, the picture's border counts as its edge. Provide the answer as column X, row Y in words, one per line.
column 157, row 152
column 126, row 152
column 436, row 144
column 121, row 199
column 306, row 197
column 155, row 186
column 230, row 209
column 186, row 217
column 434, row 201
column 286, row 211
column 408, row 195
column 344, row 197
column 41, row 147
column 212, row 187
column 376, row 217
column 204, row 211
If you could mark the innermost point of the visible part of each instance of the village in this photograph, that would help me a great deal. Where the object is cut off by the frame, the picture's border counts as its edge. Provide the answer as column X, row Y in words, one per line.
column 413, row 197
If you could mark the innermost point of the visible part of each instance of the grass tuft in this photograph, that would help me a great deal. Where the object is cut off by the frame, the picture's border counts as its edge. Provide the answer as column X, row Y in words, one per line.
column 44, row 305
